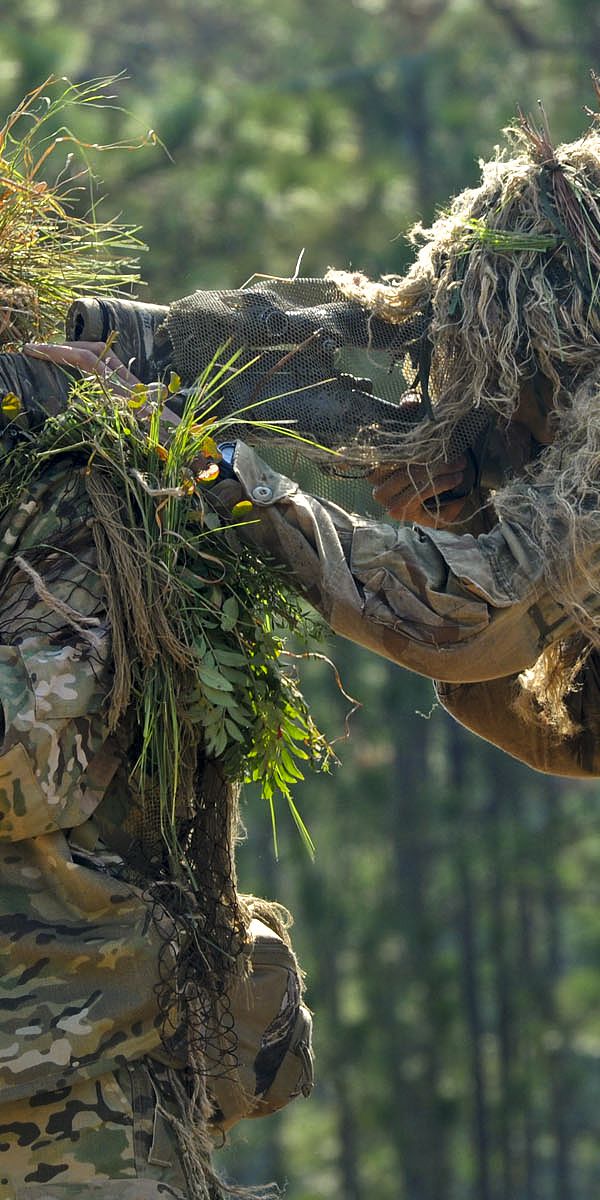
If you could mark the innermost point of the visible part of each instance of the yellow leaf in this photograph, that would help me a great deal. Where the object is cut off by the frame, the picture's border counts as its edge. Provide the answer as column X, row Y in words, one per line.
column 11, row 405
column 242, row 509
column 210, row 449
column 208, row 474
column 138, row 396
column 174, row 383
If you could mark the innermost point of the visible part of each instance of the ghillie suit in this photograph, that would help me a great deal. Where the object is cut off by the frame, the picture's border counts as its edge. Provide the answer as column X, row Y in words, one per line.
column 141, row 682
column 501, row 302
column 506, row 285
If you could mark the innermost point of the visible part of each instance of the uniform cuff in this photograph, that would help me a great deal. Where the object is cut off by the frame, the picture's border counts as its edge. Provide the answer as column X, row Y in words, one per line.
column 262, row 484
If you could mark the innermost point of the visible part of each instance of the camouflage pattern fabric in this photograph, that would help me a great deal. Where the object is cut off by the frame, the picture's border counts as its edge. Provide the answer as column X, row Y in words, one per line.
column 489, row 710
column 78, row 947
column 470, row 611
column 54, row 660
column 451, row 606
column 106, row 1132
column 142, row 1189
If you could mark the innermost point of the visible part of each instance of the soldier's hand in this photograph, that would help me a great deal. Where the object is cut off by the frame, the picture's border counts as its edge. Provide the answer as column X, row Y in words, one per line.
column 97, row 359
column 416, row 493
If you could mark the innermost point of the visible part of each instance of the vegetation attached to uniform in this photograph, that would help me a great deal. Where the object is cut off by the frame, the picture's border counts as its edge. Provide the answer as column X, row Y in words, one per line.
column 201, row 699
column 198, row 623
column 197, row 630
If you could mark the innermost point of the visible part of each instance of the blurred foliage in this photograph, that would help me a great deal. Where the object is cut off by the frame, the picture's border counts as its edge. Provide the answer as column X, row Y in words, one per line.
column 298, row 124
column 450, row 923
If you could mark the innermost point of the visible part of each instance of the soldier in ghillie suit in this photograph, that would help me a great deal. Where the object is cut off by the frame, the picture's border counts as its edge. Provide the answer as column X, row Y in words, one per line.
column 145, row 1005
column 495, row 591
column 143, row 1010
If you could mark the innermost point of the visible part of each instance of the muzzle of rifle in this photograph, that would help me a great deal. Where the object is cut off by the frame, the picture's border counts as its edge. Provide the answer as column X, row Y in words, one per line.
column 128, row 325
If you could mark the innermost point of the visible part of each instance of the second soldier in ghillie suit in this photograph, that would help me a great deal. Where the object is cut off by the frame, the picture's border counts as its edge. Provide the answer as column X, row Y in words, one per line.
column 495, row 589
column 508, row 278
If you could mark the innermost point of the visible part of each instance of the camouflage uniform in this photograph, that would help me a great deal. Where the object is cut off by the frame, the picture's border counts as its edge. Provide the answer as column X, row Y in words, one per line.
column 471, row 612
column 86, row 1092
column 78, row 952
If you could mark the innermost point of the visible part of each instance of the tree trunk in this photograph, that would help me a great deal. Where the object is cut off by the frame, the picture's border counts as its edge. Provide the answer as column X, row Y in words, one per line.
column 528, row 1008
column 501, row 969
column 561, row 1099
column 466, row 923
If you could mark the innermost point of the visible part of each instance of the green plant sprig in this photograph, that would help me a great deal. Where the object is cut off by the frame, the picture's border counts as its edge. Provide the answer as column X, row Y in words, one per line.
column 230, row 612
column 507, row 240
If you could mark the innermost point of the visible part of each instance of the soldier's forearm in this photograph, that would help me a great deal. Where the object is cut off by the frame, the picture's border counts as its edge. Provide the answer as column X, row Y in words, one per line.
column 501, row 712
column 41, row 388
column 448, row 606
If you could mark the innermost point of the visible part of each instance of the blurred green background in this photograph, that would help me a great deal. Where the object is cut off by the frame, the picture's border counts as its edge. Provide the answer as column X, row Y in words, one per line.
column 450, row 924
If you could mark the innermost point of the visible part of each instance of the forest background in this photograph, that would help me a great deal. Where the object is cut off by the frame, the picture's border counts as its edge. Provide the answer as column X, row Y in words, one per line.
column 449, row 925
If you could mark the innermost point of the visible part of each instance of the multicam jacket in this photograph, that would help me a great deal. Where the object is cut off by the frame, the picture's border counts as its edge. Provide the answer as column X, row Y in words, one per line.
column 470, row 612
column 78, row 950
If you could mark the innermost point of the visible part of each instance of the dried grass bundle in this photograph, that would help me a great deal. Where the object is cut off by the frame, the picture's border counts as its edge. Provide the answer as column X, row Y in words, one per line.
column 50, row 253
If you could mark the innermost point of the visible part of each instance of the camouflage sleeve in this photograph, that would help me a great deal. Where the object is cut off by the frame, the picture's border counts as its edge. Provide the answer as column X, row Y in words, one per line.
column 452, row 607
column 41, row 389
column 54, row 661
column 500, row 711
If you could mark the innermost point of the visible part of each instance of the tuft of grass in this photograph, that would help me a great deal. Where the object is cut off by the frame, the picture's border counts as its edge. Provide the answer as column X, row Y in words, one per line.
column 49, row 252
column 507, row 240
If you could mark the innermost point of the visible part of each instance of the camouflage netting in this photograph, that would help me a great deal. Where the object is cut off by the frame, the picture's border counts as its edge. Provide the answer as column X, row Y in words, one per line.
column 308, row 363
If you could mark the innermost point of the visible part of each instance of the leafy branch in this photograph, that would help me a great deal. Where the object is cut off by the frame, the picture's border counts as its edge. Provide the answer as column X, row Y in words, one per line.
column 225, row 616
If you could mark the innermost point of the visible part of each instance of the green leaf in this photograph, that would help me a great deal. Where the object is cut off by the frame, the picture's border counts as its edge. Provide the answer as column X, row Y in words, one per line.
column 234, row 731
column 213, row 678
column 302, row 829
column 290, row 766
column 220, row 698
column 241, row 718
column 217, row 744
column 240, row 677
column 230, row 658
column 230, row 612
